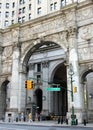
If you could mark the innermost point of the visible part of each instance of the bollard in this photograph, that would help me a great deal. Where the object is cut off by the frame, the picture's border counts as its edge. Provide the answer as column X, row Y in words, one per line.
column 76, row 121
column 58, row 120
column 84, row 122
column 66, row 121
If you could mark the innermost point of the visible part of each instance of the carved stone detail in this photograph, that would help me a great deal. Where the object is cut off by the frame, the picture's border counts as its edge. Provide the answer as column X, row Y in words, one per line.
column 8, row 51
column 87, row 33
column 45, row 64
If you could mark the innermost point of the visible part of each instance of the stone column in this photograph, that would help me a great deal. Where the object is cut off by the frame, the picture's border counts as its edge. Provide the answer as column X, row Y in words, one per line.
column 22, row 97
column 14, row 81
column 73, row 59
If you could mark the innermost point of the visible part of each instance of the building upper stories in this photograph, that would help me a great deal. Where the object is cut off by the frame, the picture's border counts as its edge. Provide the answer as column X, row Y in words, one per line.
column 20, row 11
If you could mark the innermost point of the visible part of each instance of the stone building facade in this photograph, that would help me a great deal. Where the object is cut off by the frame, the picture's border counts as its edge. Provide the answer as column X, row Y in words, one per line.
column 43, row 50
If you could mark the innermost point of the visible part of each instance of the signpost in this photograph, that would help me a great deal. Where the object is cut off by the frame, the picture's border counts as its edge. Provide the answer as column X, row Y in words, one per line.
column 53, row 89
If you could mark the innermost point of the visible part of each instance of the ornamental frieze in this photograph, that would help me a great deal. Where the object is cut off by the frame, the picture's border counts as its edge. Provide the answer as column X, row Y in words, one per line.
column 84, row 14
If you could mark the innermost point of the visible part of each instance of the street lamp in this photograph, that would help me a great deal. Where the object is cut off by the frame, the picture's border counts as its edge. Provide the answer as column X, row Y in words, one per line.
column 71, row 73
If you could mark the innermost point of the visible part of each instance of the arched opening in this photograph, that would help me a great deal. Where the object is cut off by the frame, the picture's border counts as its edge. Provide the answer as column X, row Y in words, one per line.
column 87, row 80
column 38, row 94
column 5, row 97
column 39, row 61
column 60, row 106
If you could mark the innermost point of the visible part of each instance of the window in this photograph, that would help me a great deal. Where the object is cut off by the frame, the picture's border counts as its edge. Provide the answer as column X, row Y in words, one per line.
column 51, row 7
column 13, row 4
column 20, row 2
column 7, row 5
column 38, row 67
column 23, row 19
column 39, row 11
column 6, row 14
column 13, row 13
column 23, row 11
column 39, row 1
column 0, row 14
column 38, row 78
column 19, row 20
column 29, row 6
column 24, row 1
column 55, row 5
column 20, row 11
column 30, row 16
column 0, row 5
column 12, row 22
column 6, row 23
column 63, row 2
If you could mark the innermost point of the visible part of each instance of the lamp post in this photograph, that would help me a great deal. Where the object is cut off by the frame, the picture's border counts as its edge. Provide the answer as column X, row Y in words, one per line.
column 71, row 73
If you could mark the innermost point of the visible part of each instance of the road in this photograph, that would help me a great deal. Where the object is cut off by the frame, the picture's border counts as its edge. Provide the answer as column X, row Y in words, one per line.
column 29, row 127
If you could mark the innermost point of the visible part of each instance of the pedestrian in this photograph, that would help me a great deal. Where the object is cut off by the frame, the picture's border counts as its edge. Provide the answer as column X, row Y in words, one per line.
column 30, row 117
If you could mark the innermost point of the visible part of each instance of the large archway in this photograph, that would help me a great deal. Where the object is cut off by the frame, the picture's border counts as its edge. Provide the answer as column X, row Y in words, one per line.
column 5, row 98
column 60, row 106
column 87, row 80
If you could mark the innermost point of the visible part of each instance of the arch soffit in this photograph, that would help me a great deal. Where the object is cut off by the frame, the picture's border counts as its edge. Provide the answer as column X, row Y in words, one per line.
column 54, row 68
column 41, row 41
column 84, row 74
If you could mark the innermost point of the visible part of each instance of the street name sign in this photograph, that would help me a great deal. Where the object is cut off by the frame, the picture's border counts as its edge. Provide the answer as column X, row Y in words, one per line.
column 53, row 89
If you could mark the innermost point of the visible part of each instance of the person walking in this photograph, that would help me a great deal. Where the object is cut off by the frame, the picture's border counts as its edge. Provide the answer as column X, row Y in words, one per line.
column 30, row 117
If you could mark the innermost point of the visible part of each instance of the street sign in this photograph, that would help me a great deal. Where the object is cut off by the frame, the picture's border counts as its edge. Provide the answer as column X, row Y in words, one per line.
column 53, row 89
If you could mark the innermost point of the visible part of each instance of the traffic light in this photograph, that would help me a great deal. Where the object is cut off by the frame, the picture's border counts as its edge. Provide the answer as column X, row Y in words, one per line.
column 29, row 84
column 75, row 89
column 26, row 84
column 32, row 84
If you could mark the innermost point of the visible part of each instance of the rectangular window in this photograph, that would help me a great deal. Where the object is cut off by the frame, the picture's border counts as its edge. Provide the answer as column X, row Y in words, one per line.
column 23, row 11
column 24, row 1
column 20, row 11
column 13, row 4
column 29, row 6
column 39, row 11
column 6, row 14
column 6, row 23
column 12, row 22
column 63, row 3
column 51, row 7
column 13, row 13
column 21, row 1
column 19, row 20
column 39, row 1
column 30, row 16
column 0, row 5
column 23, row 19
column 7, row 5
column 55, row 5
column 38, row 78
column 38, row 67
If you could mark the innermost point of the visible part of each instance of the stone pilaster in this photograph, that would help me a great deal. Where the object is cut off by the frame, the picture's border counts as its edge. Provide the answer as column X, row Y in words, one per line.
column 46, row 103
column 73, row 59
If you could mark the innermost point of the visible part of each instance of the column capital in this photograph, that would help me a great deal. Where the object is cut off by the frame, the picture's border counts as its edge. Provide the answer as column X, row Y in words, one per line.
column 72, row 31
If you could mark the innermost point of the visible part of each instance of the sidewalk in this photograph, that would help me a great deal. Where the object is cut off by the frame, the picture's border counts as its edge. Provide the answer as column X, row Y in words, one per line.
column 47, row 123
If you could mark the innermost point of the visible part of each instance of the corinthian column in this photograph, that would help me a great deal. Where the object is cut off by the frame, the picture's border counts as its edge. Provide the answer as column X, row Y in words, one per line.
column 73, row 59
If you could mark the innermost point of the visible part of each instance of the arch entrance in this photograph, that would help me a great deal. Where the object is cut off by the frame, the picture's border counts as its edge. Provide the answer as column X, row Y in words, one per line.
column 87, row 79
column 5, row 98
column 59, row 104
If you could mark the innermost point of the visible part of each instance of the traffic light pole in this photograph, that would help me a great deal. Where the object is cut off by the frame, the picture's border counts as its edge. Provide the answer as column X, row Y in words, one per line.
column 73, row 118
